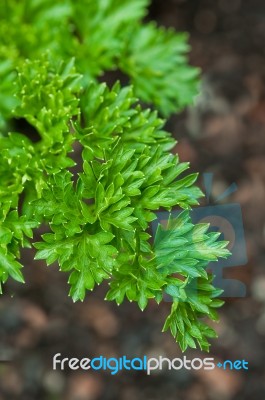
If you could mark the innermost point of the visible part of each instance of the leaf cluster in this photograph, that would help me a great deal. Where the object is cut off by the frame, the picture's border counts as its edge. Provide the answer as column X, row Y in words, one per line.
column 98, row 219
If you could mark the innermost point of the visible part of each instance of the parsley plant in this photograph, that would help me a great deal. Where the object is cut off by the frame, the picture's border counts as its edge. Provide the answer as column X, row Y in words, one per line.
column 53, row 56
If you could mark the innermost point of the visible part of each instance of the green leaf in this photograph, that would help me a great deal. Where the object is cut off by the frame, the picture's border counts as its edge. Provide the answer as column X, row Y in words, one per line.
column 9, row 266
column 156, row 60
column 80, row 282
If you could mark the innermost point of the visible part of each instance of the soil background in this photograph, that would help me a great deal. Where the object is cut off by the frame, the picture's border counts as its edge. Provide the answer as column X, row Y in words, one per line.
column 223, row 134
